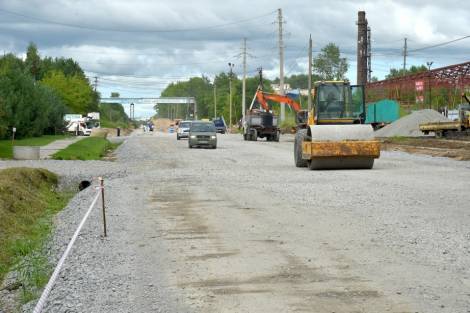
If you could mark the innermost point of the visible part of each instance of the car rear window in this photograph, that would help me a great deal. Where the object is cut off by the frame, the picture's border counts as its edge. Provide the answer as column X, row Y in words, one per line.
column 219, row 123
column 185, row 125
column 202, row 127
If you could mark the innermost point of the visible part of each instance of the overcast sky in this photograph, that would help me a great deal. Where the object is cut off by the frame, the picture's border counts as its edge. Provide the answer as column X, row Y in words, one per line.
column 137, row 47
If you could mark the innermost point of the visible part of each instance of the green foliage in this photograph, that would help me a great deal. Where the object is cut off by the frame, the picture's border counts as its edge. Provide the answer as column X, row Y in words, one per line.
column 329, row 65
column 67, row 66
column 113, row 115
column 28, row 201
column 203, row 91
column 6, row 150
column 115, row 95
column 91, row 148
column 401, row 72
column 75, row 91
column 33, row 61
column 299, row 81
column 32, row 108
column 36, row 93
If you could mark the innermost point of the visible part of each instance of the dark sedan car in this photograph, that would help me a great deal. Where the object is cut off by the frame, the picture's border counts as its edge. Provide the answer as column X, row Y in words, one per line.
column 202, row 134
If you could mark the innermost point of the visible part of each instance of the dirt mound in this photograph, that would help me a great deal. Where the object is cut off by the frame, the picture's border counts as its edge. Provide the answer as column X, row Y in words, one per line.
column 162, row 124
column 408, row 126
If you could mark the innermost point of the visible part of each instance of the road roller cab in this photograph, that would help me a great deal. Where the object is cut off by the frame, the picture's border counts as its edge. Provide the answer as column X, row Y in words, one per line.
column 336, row 136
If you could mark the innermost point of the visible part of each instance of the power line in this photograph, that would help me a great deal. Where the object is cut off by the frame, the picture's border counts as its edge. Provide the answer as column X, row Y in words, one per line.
column 146, row 63
column 440, row 44
column 95, row 28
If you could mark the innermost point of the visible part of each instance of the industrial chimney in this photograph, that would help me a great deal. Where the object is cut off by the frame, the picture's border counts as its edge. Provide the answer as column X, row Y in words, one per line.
column 362, row 48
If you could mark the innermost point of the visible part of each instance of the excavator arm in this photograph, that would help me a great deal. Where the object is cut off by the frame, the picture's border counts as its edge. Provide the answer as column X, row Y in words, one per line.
column 262, row 98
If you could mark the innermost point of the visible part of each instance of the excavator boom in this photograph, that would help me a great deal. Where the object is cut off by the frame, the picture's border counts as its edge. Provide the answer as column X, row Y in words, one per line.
column 262, row 98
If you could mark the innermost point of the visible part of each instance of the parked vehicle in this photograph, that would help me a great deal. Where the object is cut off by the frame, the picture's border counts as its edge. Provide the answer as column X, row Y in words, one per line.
column 220, row 125
column 202, row 134
column 78, row 128
column 81, row 125
column 451, row 129
column 183, row 129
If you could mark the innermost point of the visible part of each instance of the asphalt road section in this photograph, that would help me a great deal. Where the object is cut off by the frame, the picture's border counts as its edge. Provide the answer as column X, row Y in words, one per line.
column 240, row 229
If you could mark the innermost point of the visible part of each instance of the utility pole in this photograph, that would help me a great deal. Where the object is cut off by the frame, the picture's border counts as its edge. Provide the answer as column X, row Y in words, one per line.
column 231, row 65
column 244, row 80
column 260, row 73
column 131, row 111
column 405, row 53
column 429, row 82
column 215, row 99
column 281, row 62
column 309, row 87
column 95, row 84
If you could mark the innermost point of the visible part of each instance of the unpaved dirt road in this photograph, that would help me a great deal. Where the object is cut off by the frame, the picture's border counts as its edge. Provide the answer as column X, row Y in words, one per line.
column 240, row 229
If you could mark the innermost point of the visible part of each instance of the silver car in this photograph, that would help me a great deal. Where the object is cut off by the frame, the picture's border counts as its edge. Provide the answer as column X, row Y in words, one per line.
column 202, row 134
column 183, row 130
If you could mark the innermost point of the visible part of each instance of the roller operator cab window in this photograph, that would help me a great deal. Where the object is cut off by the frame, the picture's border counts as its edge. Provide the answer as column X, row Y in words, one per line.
column 334, row 101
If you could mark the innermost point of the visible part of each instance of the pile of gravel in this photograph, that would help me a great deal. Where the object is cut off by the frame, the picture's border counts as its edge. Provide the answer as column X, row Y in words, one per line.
column 408, row 126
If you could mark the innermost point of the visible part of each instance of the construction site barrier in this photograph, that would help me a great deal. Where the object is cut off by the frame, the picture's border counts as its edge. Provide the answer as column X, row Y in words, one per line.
column 42, row 300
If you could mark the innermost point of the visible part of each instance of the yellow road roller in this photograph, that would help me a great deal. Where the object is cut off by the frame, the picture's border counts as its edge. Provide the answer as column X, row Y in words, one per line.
column 335, row 136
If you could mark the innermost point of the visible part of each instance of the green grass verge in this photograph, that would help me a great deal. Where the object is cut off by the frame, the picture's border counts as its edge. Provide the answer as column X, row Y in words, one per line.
column 110, row 124
column 91, row 148
column 28, row 201
column 6, row 149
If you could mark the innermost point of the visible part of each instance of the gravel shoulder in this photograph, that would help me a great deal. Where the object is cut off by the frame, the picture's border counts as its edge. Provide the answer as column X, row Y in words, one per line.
column 240, row 229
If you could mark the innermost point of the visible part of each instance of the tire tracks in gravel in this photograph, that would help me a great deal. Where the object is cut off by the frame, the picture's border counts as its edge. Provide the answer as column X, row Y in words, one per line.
column 221, row 265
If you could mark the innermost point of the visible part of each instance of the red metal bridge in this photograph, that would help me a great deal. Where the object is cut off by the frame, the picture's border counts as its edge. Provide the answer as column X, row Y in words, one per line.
column 430, row 89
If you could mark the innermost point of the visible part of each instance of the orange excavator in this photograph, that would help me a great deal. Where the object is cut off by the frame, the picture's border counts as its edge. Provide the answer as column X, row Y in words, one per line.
column 262, row 123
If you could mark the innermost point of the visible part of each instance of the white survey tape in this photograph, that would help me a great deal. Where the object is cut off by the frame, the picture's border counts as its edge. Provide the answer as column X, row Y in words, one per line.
column 39, row 306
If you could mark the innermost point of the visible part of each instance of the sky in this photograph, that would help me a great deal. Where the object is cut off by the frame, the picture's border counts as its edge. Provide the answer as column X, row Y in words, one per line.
column 138, row 47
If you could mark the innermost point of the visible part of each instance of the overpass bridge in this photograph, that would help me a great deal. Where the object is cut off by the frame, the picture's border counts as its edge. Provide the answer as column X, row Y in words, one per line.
column 169, row 107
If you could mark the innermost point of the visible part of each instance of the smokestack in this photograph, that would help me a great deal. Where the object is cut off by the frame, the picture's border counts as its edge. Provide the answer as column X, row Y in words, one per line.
column 361, row 48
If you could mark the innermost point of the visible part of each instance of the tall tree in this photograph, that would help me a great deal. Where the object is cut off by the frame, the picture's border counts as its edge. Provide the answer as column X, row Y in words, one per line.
column 329, row 64
column 75, row 91
column 33, row 61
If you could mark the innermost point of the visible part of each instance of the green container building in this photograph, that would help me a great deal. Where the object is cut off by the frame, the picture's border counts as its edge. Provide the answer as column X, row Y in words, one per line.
column 382, row 112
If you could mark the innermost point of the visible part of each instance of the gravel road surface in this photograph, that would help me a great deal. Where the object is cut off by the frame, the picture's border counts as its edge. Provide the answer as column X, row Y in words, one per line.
column 240, row 229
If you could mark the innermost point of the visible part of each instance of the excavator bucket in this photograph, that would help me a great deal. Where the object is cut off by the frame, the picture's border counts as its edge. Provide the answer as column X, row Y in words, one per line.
column 340, row 147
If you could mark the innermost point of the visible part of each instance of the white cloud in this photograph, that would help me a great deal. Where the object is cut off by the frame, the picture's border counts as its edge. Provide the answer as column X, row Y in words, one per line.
column 175, row 55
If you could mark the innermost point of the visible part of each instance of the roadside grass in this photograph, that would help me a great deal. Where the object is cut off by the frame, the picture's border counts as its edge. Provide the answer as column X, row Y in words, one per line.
column 91, row 148
column 398, row 139
column 6, row 149
column 110, row 124
column 288, row 124
column 28, row 202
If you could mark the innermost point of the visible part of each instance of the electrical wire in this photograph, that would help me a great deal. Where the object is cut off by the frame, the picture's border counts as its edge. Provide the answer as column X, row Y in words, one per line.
column 439, row 44
column 95, row 28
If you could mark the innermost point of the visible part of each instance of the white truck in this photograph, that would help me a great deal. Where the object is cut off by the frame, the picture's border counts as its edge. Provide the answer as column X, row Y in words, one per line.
column 78, row 127
column 82, row 126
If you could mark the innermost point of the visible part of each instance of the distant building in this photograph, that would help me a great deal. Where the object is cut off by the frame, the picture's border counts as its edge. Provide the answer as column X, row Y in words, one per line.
column 277, row 90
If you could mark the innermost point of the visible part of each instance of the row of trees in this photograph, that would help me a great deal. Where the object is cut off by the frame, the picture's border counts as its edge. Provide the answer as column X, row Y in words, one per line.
column 328, row 65
column 36, row 92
